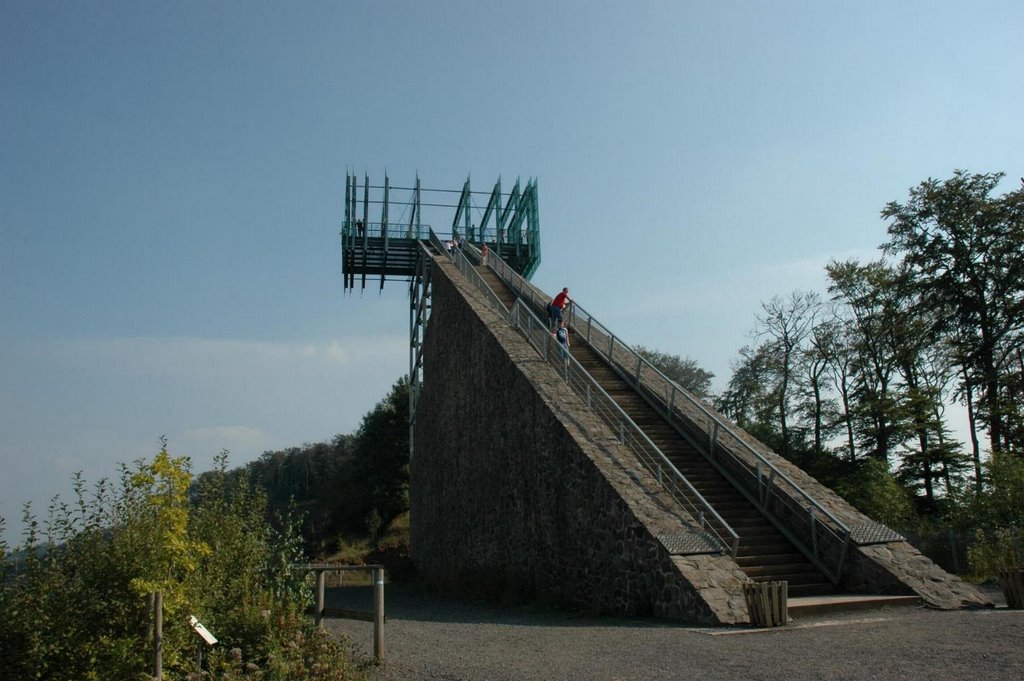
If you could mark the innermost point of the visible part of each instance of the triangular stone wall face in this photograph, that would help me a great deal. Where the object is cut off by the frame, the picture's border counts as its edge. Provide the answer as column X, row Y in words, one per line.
column 518, row 491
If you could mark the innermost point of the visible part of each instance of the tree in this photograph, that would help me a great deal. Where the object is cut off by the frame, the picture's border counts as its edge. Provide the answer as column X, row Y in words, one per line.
column 821, row 366
column 871, row 303
column 963, row 249
column 382, row 454
column 684, row 371
column 748, row 399
column 787, row 322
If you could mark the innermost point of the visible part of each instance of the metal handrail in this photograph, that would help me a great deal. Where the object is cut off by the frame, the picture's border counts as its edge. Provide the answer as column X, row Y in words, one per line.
column 470, row 272
column 376, row 230
column 668, row 476
column 802, row 520
column 626, row 430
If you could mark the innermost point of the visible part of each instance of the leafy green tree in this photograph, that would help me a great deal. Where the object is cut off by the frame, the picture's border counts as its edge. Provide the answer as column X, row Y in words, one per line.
column 875, row 491
column 749, row 399
column 963, row 249
column 825, row 373
column 872, row 304
column 683, row 370
column 382, row 454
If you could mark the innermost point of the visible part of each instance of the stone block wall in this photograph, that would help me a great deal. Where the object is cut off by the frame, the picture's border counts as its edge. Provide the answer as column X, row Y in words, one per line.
column 519, row 492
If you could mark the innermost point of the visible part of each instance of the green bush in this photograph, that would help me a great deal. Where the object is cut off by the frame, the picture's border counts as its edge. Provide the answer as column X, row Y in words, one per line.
column 74, row 598
column 996, row 550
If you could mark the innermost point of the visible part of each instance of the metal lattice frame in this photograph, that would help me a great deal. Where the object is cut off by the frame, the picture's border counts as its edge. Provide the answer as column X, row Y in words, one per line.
column 387, row 249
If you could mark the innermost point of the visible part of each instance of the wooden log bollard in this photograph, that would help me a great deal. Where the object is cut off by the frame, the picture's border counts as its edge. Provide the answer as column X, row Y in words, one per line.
column 767, row 603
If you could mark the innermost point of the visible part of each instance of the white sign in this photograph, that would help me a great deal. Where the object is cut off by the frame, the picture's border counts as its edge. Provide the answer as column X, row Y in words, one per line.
column 203, row 632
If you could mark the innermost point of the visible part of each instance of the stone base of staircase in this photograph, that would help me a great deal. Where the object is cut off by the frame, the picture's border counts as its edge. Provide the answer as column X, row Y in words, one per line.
column 820, row 605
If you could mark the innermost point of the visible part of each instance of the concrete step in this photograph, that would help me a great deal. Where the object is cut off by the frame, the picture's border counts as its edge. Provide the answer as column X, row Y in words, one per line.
column 804, row 575
column 781, row 558
column 803, row 606
column 802, row 590
column 758, row 548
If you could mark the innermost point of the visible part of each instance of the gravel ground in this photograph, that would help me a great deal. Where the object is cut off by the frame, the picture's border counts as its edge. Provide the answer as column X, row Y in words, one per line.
column 436, row 638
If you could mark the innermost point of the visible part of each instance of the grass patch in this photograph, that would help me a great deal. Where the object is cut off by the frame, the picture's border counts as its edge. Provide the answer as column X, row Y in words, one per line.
column 362, row 550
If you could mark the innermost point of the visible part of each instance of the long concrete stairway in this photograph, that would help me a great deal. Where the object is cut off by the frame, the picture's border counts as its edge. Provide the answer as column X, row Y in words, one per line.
column 764, row 554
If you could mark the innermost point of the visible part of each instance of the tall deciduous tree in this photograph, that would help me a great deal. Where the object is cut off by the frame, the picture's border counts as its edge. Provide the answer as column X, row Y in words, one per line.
column 382, row 453
column 872, row 305
column 963, row 247
column 749, row 399
column 787, row 322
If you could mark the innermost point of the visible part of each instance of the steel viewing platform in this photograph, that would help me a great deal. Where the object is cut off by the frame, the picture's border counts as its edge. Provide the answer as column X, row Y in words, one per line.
column 380, row 245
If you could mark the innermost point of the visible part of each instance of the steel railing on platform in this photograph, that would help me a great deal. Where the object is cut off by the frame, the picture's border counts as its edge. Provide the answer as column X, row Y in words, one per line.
column 469, row 271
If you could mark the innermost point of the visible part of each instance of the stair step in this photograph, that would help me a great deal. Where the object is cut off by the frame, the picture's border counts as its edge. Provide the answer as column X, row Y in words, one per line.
column 818, row 604
column 804, row 590
column 755, row 547
column 781, row 558
column 801, row 573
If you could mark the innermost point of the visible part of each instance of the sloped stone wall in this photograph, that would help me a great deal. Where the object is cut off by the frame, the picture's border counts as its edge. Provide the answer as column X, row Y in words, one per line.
column 517, row 491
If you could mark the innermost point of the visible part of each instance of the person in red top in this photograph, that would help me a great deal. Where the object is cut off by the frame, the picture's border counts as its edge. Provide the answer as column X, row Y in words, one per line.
column 556, row 307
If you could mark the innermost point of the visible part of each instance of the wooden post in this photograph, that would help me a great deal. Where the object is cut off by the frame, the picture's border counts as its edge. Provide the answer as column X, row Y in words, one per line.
column 767, row 603
column 378, row 614
column 1012, row 581
column 158, row 636
column 150, row 602
column 320, row 576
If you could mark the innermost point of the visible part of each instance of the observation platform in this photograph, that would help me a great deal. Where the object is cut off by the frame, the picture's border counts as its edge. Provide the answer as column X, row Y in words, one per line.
column 381, row 247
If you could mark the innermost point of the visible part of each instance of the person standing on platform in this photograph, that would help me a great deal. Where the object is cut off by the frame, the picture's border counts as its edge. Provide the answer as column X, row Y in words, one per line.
column 483, row 255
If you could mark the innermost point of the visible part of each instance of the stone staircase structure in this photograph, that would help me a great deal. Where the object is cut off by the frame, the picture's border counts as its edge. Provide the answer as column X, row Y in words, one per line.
column 765, row 554
column 520, row 491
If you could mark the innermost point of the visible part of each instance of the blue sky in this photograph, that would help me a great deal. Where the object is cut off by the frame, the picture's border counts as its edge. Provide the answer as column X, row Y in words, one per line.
column 172, row 185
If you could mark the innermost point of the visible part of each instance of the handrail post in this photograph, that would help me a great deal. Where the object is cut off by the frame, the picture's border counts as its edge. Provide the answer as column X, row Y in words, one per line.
column 767, row 490
column 842, row 555
column 321, row 578
column 378, row 614
column 814, row 534
column 760, row 484
column 158, row 636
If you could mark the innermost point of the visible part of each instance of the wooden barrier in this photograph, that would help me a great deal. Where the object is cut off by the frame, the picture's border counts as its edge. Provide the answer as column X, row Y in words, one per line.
column 767, row 603
column 1012, row 581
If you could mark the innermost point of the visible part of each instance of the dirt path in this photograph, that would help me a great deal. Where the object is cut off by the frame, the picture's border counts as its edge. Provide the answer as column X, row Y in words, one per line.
column 435, row 638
